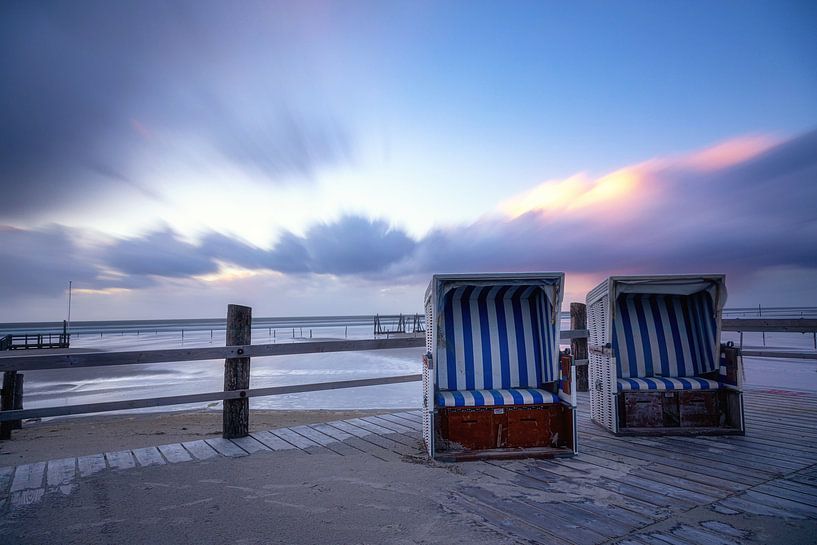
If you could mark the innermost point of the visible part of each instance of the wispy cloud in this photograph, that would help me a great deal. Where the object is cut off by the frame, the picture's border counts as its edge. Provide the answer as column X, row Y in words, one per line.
column 721, row 210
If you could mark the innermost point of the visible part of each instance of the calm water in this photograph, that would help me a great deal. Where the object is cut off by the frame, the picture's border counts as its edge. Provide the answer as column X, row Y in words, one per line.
column 88, row 385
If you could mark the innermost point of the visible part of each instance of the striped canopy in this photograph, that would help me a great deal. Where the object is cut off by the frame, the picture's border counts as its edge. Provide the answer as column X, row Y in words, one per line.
column 665, row 335
column 497, row 335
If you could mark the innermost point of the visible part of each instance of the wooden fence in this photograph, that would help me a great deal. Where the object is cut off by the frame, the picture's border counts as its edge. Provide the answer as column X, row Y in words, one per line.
column 239, row 351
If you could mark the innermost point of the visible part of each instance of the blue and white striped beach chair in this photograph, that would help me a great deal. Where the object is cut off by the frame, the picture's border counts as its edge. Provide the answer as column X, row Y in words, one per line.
column 656, row 362
column 493, row 377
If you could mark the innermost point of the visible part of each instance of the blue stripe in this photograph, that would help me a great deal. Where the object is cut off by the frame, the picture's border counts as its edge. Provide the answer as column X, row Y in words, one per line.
column 517, row 397
column 628, row 336
column 504, row 351
column 537, row 339
column 646, row 349
column 498, row 399
column 693, row 341
column 479, row 401
column 659, row 330
column 676, row 335
column 467, row 338
column 450, row 352
column 520, row 339
column 485, row 333
column 459, row 400
column 547, row 356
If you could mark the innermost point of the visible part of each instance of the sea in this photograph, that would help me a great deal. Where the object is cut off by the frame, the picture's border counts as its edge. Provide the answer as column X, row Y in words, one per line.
column 122, row 382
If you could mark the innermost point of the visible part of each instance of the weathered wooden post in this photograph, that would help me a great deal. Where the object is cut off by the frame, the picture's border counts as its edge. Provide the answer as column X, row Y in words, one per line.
column 7, row 402
column 17, row 402
column 578, row 320
column 237, row 372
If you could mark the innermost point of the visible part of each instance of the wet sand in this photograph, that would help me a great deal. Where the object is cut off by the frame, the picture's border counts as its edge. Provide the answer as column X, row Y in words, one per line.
column 68, row 437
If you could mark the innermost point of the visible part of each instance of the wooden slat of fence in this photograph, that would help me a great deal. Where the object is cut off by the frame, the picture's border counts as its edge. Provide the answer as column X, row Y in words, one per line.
column 198, row 398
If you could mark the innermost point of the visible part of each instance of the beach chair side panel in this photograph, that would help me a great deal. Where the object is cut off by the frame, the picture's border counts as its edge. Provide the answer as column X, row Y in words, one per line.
column 602, row 364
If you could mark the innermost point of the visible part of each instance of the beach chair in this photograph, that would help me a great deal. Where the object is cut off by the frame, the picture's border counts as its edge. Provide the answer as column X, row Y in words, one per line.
column 656, row 362
column 494, row 381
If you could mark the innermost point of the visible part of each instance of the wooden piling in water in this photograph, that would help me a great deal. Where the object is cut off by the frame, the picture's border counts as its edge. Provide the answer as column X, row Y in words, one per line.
column 578, row 347
column 237, row 373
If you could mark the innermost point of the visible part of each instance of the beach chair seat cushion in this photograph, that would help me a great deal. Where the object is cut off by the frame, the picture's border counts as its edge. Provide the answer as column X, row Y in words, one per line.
column 666, row 383
column 482, row 398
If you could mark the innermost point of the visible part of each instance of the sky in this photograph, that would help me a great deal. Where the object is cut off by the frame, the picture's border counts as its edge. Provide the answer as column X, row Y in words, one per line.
column 304, row 158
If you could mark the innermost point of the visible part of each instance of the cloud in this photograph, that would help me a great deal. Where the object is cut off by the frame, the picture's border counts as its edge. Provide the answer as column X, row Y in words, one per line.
column 98, row 99
column 732, row 208
column 741, row 217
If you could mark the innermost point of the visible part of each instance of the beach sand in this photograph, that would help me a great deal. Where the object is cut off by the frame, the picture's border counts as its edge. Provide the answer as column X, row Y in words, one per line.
column 68, row 437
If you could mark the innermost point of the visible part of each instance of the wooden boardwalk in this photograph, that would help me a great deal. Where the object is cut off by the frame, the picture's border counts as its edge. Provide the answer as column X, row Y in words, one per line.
column 761, row 488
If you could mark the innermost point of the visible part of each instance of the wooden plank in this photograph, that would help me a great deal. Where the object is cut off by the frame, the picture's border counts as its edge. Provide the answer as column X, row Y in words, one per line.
column 541, row 516
column 200, row 450
column 701, row 537
column 199, row 398
column 15, row 362
column 95, row 359
column 325, row 440
column 250, row 444
column 89, row 465
column 6, row 474
column 390, row 425
column 148, row 456
column 28, row 476
column 774, row 488
column 504, row 522
column 298, row 440
column 273, row 442
column 225, row 447
column 416, row 425
column 331, row 431
column 175, row 453
column 120, row 460
column 758, row 325
column 61, row 471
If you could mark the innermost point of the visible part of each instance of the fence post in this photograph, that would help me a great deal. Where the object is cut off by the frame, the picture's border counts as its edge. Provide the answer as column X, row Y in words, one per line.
column 237, row 373
column 578, row 320
column 7, row 402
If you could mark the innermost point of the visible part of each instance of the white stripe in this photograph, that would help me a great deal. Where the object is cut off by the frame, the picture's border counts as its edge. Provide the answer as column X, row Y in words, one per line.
column 448, row 398
column 457, row 382
column 506, row 395
column 637, row 341
column 670, row 338
column 496, row 367
column 623, row 356
column 682, row 331
column 651, row 331
column 642, row 384
column 476, row 339
column 527, row 397
column 530, row 356
column 511, row 329
column 442, row 357
column 469, row 398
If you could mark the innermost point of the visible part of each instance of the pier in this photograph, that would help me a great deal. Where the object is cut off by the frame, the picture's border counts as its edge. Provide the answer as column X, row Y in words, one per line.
column 349, row 481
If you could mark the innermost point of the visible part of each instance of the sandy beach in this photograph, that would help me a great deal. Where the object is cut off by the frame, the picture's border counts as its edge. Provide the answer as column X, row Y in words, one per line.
column 69, row 437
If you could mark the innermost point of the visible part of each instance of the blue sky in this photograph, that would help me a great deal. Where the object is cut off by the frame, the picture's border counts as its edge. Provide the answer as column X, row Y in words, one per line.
column 320, row 157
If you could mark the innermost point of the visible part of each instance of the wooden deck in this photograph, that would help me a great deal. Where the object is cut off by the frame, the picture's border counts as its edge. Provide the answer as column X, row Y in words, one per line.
column 761, row 488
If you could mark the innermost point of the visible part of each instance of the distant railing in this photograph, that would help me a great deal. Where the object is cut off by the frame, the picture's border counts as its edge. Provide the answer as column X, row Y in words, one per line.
column 30, row 341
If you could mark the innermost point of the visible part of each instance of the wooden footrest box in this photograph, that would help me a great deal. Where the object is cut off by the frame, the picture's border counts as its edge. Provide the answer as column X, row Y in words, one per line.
column 671, row 409
column 481, row 428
